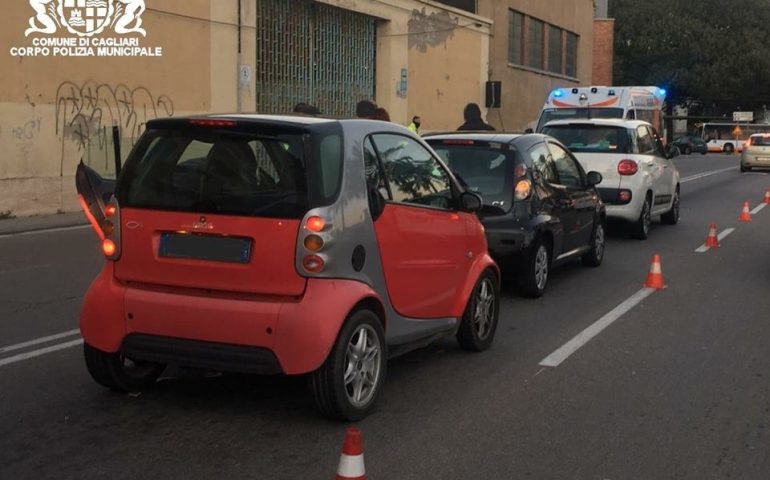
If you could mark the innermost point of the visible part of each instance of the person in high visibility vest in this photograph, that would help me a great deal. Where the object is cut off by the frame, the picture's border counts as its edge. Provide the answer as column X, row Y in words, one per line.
column 415, row 125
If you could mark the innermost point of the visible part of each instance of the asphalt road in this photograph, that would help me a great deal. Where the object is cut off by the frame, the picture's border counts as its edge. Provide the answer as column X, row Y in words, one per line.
column 678, row 387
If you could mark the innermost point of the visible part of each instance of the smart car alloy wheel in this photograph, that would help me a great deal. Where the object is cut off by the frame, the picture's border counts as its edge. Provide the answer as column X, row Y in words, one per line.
column 362, row 370
column 479, row 321
column 485, row 303
column 347, row 384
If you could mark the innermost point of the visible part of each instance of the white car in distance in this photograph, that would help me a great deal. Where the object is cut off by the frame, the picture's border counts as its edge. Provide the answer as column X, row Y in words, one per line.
column 640, row 180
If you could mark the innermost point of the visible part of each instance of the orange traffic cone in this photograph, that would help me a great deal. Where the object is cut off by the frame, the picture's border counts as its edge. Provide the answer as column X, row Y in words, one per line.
column 745, row 214
column 352, row 459
column 767, row 197
column 712, row 240
column 655, row 277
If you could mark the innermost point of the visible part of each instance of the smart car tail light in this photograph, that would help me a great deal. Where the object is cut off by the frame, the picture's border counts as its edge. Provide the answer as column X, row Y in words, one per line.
column 523, row 190
column 108, row 247
column 628, row 167
column 315, row 224
column 313, row 263
column 314, row 243
column 110, row 229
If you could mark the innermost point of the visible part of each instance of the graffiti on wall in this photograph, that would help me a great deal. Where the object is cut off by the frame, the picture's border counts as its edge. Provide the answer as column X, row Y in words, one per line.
column 430, row 30
column 85, row 114
column 27, row 131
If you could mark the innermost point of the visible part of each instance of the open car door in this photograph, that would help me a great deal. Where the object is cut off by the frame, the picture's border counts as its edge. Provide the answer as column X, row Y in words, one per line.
column 95, row 193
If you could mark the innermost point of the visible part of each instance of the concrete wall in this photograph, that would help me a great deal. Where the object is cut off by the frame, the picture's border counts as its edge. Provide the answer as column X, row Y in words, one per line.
column 604, row 51
column 525, row 90
column 56, row 111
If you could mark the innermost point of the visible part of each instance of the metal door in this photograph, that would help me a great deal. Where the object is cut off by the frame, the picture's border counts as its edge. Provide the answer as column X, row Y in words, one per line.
column 313, row 53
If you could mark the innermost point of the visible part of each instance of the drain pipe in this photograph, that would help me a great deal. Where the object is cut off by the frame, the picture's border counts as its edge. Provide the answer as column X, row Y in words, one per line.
column 240, row 58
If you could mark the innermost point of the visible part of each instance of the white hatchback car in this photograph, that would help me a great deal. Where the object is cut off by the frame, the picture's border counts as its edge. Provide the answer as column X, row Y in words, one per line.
column 756, row 152
column 640, row 180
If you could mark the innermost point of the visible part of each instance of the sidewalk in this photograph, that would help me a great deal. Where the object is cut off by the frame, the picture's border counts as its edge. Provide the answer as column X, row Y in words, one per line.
column 42, row 222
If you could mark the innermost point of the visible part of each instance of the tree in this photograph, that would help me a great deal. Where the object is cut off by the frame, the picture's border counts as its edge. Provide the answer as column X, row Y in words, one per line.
column 710, row 52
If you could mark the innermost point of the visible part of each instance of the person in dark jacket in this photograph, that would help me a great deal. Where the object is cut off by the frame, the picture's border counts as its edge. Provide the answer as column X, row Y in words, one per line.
column 305, row 109
column 366, row 109
column 473, row 121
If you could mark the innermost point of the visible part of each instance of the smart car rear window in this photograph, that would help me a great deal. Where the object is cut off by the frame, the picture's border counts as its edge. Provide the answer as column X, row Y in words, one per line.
column 591, row 138
column 223, row 171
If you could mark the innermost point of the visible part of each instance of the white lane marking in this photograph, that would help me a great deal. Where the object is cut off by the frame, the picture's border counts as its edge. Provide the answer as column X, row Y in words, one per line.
column 48, row 230
column 758, row 208
column 706, row 174
column 563, row 352
column 42, row 351
column 38, row 341
column 722, row 235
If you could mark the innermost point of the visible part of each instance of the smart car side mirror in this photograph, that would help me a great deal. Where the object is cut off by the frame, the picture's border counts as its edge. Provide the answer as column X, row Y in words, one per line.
column 594, row 178
column 529, row 130
column 470, row 202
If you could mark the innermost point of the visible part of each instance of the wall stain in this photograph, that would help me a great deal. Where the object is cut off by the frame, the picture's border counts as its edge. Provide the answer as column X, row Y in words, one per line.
column 430, row 30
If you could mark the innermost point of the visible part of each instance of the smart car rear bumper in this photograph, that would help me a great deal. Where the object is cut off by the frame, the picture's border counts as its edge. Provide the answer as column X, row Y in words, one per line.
column 218, row 330
column 197, row 354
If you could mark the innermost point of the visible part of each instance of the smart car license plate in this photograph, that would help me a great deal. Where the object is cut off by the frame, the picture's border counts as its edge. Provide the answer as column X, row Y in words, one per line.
column 205, row 247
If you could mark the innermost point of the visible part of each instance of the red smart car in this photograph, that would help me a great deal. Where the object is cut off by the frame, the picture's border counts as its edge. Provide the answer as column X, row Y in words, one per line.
column 282, row 245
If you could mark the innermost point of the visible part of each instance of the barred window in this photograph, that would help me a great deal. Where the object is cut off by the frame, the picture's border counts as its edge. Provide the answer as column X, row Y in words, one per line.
column 515, row 37
column 571, row 63
column 535, row 47
column 554, row 49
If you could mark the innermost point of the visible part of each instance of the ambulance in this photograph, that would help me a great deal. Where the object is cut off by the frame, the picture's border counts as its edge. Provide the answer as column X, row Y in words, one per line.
column 632, row 103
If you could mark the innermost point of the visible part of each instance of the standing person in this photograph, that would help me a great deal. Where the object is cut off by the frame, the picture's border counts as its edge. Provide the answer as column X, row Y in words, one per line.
column 382, row 115
column 305, row 109
column 473, row 121
column 366, row 109
column 414, row 127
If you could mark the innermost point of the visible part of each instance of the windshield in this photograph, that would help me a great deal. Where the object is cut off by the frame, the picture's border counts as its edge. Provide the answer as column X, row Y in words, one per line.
column 591, row 138
column 483, row 167
column 227, row 172
column 570, row 113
